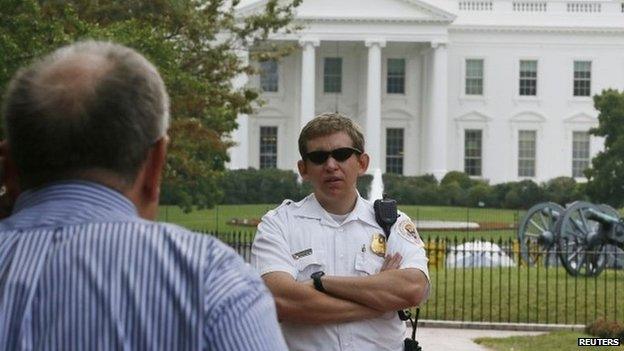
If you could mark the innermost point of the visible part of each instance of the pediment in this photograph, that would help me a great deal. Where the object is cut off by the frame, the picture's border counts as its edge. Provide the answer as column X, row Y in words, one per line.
column 528, row 116
column 581, row 118
column 473, row 116
column 396, row 113
column 362, row 10
column 267, row 111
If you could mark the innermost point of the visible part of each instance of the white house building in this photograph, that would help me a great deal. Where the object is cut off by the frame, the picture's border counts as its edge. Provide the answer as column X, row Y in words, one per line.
column 500, row 89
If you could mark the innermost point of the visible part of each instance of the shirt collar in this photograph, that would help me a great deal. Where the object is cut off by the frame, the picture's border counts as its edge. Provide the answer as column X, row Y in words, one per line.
column 89, row 194
column 309, row 207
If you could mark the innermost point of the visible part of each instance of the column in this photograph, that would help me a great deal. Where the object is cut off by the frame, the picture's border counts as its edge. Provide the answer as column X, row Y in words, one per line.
column 239, row 153
column 308, row 75
column 373, row 103
column 436, row 148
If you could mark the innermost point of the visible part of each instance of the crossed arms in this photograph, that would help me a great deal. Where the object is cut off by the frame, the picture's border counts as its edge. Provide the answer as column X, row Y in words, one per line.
column 347, row 298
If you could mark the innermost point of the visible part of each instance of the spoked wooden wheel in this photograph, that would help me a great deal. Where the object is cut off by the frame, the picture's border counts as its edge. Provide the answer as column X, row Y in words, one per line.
column 536, row 232
column 580, row 244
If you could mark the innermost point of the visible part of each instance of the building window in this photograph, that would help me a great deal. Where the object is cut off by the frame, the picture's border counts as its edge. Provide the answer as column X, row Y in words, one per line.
column 394, row 150
column 580, row 153
column 528, row 78
column 268, row 147
column 332, row 75
column 269, row 76
column 473, row 151
column 526, row 153
column 582, row 78
column 395, row 83
column 474, row 77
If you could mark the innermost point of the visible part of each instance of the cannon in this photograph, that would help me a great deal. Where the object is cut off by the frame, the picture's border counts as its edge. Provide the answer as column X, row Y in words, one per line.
column 537, row 231
column 582, row 235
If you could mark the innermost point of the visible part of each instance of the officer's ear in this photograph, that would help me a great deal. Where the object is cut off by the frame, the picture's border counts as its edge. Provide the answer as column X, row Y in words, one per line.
column 363, row 161
column 303, row 170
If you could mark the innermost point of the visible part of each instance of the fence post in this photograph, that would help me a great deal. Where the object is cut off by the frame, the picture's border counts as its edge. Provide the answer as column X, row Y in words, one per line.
column 217, row 217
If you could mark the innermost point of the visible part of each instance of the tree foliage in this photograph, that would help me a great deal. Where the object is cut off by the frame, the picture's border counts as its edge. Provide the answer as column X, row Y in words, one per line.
column 606, row 176
column 194, row 44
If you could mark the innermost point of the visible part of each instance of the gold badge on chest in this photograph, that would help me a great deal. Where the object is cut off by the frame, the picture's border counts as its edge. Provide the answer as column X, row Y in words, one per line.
column 378, row 245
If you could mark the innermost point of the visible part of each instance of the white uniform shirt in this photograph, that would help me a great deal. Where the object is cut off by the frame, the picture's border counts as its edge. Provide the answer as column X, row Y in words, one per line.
column 301, row 238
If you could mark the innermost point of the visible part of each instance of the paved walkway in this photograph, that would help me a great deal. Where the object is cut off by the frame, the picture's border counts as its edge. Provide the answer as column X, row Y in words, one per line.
column 447, row 339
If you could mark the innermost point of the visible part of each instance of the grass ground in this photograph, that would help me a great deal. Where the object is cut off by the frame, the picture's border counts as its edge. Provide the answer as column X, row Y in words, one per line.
column 556, row 341
column 516, row 294
column 524, row 294
column 216, row 219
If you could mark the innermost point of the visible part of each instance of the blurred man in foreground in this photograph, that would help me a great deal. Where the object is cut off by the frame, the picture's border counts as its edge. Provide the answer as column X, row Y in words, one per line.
column 82, row 264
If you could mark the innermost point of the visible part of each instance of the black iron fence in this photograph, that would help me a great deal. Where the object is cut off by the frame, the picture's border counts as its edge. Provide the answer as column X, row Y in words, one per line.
column 489, row 281
column 492, row 282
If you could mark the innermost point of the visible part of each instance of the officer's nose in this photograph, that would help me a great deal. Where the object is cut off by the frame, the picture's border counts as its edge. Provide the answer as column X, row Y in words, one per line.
column 331, row 163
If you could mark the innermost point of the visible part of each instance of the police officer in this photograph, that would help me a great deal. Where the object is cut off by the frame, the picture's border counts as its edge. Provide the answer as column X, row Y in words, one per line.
column 337, row 282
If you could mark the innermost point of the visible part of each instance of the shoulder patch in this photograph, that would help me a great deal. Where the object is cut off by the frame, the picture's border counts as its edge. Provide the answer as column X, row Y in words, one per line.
column 279, row 208
column 407, row 230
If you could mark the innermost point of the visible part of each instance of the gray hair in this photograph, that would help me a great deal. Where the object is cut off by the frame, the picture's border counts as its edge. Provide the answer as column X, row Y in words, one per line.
column 90, row 106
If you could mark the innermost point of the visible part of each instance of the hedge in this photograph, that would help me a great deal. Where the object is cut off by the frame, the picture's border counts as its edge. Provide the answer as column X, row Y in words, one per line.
column 455, row 189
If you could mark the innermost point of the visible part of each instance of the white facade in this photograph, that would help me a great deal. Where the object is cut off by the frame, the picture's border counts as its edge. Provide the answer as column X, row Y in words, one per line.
column 435, row 38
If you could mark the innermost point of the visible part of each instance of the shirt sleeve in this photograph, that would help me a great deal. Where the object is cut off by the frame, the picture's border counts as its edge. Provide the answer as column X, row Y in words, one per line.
column 405, row 240
column 238, row 308
column 270, row 252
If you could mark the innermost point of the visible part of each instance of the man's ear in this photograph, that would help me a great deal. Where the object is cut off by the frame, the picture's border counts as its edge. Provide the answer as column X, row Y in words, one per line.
column 303, row 170
column 363, row 162
column 153, row 169
column 9, row 174
column 145, row 192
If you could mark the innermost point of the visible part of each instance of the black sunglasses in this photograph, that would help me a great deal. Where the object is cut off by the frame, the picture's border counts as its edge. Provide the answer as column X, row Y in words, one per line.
column 340, row 155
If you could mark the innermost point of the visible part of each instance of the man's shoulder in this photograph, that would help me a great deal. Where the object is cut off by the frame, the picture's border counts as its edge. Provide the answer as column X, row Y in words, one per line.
column 288, row 206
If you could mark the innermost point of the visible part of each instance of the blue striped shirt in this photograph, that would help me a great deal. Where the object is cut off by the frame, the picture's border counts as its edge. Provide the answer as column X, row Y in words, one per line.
column 79, row 270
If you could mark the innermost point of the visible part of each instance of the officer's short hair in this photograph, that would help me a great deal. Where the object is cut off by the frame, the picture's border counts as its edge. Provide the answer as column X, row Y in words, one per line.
column 327, row 124
column 85, row 107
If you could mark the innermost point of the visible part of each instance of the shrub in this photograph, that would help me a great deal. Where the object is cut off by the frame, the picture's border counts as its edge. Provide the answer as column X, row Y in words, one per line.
column 561, row 190
column 606, row 329
column 462, row 179
column 481, row 195
column 455, row 189
column 413, row 190
column 259, row 186
column 523, row 194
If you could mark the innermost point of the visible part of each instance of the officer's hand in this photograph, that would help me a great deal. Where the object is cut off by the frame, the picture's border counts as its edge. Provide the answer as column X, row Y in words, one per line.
column 391, row 262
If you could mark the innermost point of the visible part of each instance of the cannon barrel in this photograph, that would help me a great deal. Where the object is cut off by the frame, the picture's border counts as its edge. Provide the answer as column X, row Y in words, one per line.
column 601, row 217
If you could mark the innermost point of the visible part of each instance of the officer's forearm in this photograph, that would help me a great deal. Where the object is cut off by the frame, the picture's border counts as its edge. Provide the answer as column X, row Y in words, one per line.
column 298, row 302
column 387, row 291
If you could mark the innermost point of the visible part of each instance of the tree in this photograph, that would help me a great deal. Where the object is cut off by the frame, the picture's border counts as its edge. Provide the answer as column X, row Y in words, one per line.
column 606, row 176
column 193, row 43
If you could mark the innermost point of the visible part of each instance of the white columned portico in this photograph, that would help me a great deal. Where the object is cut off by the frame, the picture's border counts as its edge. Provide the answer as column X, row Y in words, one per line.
column 437, row 120
column 308, row 75
column 373, row 103
column 239, row 154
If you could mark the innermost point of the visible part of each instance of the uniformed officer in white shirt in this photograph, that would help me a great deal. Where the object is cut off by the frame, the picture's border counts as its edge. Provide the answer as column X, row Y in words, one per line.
column 359, row 279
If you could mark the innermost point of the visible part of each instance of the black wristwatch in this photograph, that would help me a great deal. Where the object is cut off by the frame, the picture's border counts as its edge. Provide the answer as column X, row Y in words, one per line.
column 316, row 278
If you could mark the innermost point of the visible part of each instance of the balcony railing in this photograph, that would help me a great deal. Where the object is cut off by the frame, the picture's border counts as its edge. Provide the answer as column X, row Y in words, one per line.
column 543, row 6
column 530, row 6
column 475, row 5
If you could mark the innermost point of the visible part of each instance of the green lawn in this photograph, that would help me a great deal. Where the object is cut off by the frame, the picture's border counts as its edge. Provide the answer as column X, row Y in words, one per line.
column 524, row 294
column 481, row 294
column 556, row 341
column 216, row 219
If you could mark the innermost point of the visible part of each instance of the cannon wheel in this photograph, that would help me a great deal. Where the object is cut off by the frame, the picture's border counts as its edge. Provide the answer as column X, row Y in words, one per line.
column 536, row 232
column 574, row 228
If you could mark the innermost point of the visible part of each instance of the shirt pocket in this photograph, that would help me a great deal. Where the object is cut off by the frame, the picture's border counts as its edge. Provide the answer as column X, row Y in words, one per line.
column 309, row 264
column 367, row 264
